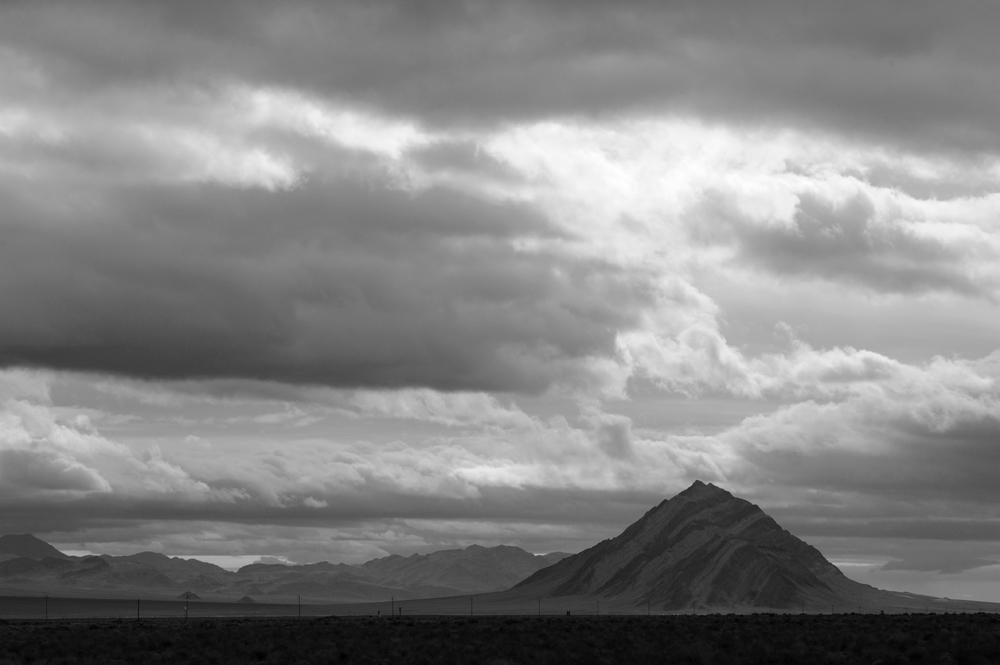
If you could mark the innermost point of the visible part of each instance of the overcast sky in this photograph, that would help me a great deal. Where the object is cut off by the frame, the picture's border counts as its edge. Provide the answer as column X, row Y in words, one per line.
column 327, row 281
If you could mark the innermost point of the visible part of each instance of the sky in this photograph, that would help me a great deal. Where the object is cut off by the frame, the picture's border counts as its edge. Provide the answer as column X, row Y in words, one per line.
column 330, row 281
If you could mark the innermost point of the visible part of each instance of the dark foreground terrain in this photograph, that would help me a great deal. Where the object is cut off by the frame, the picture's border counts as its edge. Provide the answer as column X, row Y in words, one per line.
column 710, row 639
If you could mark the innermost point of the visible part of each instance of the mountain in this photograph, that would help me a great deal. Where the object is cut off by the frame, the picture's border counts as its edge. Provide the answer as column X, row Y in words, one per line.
column 152, row 569
column 26, row 545
column 702, row 548
column 66, row 572
column 475, row 569
column 334, row 582
column 553, row 557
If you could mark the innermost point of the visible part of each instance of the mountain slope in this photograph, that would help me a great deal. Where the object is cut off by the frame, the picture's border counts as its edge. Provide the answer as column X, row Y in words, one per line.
column 26, row 545
column 702, row 548
column 475, row 569
column 152, row 569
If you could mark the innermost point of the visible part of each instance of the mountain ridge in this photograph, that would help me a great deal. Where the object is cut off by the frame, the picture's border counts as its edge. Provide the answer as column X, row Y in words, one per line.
column 703, row 547
column 475, row 569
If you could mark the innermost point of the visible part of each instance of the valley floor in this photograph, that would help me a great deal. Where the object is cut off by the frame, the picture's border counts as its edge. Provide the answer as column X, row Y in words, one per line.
column 709, row 639
column 40, row 605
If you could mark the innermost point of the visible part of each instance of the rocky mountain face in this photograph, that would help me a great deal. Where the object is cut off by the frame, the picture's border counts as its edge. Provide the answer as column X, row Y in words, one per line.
column 702, row 548
column 29, row 564
column 27, row 545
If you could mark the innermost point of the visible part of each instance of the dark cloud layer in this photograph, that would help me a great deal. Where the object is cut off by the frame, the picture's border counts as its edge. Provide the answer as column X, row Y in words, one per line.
column 336, row 283
column 541, row 505
column 463, row 157
column 936, row 565
column 888, row 453
column 919, row 73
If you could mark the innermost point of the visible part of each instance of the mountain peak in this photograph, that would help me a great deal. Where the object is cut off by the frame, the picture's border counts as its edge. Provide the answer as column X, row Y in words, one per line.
column 700, row 489
column 703, row 547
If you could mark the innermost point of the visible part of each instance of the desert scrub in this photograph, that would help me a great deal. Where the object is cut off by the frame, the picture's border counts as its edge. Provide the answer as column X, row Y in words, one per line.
column 639, row 640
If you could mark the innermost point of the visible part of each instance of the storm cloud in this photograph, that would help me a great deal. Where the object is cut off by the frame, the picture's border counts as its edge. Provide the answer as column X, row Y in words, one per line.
column 907, row 72
column 337, row 283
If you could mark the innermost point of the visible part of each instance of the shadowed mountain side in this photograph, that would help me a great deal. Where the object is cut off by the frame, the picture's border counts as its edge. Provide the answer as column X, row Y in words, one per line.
column 167, row 564
column 26, row 545
column 703, row 548
column 335, row 582
column 474, row 569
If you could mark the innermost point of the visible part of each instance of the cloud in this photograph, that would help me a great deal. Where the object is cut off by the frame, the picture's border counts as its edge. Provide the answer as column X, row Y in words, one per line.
column 949, row 565
column 862, row 70
column 503, row 465
column 361, row 287
column 614, row 436
column 463, row 157
column 853, row 240
column 382, row 252
column 453, row 409
column 907, row 455
column 48, row 472
column 47, row 456
column 271, row 560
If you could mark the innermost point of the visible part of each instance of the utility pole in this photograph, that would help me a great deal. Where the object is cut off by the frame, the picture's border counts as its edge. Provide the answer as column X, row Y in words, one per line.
column 392, row 606
column 539, row 607
column 471, row 612
column 300, row 606
column 137, row 601
column 46, row 607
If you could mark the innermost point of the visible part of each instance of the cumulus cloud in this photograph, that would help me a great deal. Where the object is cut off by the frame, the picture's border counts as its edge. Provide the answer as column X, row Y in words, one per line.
column 902, row 457
column 48, row 472
column 852, row 240
column 48, row 456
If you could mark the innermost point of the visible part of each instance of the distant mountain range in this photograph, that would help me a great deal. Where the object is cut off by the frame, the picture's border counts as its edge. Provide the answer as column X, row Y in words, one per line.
column 30, row 564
